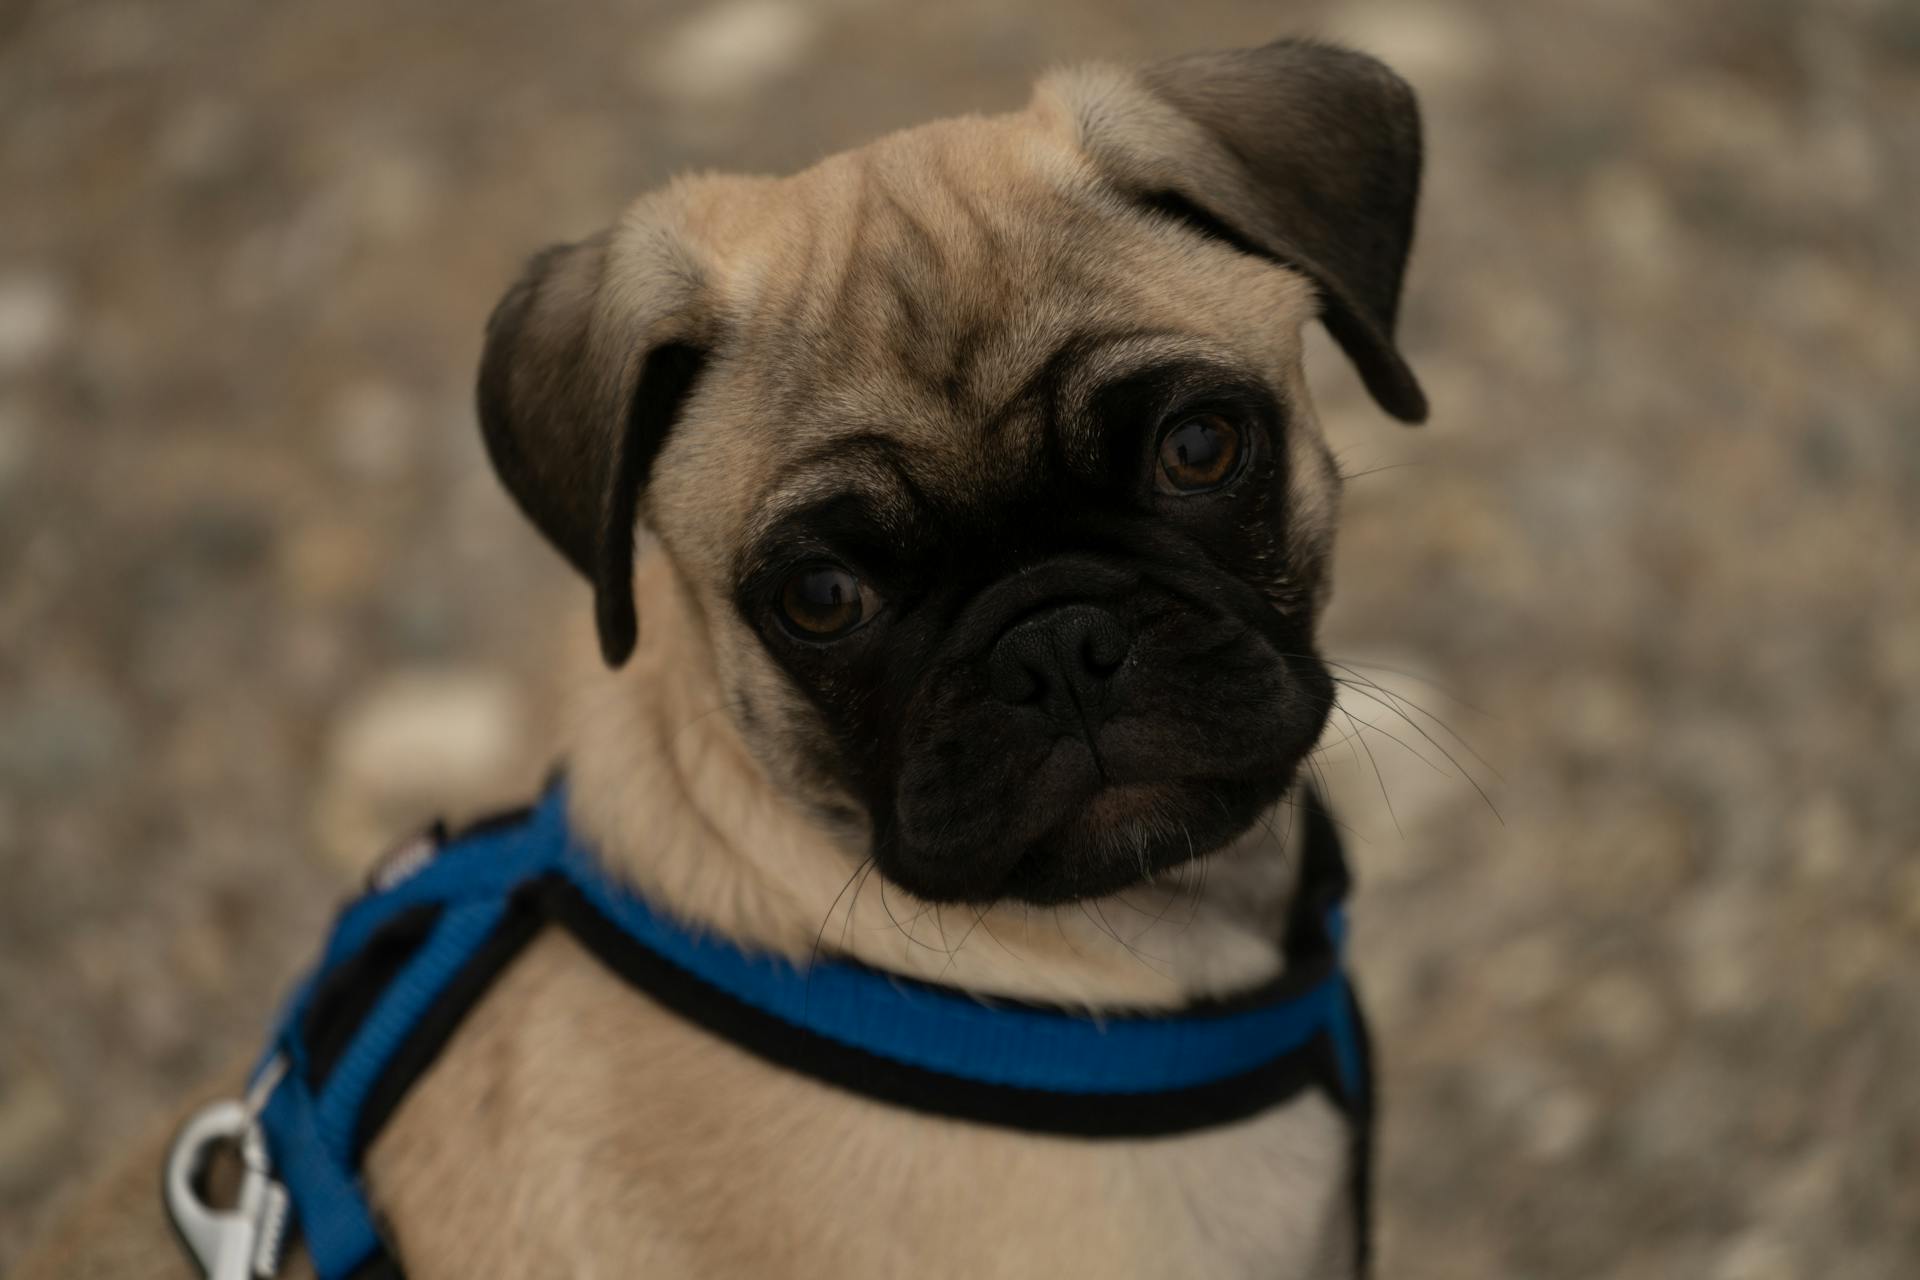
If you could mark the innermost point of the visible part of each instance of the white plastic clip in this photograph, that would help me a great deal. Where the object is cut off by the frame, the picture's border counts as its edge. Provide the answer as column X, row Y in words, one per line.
column 245, row 1241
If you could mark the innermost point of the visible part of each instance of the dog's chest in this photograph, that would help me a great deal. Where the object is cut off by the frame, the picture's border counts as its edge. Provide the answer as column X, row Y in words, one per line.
column 575, row 1128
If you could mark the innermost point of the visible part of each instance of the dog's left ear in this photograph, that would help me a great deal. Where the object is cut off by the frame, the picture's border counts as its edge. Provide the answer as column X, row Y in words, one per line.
column 1300, row 152
column 588, row 360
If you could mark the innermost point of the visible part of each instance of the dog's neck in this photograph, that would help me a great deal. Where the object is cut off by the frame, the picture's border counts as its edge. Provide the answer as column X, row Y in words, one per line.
column 672, row 799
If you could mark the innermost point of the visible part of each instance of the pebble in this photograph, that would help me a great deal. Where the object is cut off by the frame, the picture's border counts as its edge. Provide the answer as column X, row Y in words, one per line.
column 202, row 140
column 376, row 429
column 1716, row 932
column 116, row 38
column 36, row 320
column 1524, row 972
column 1823, row 838
column 1631, row 217
column 1558, row 1124
column 330, row 562
column 1604, row 716
column 1434, row 46
column 727, row 53
column 1756, row 1255
column 16, row 445
column 33, row 1117
column 61, row 733
column 1622, row 1013
column 393, row 196
column 1907, row 897
column 417, row 744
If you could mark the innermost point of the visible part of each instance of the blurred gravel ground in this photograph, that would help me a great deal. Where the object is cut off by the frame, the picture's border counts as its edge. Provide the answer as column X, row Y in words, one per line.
column 261, row 603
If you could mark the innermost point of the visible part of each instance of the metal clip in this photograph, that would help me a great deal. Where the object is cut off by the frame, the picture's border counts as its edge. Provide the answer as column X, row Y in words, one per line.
column 245, row 1241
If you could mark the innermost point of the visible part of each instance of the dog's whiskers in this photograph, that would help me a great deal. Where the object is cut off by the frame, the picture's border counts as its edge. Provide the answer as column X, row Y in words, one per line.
column 953, row 953
column 1392, row 701
column 1384, row 699
column 1091, row 909
column 905, row 930
column 813, row 956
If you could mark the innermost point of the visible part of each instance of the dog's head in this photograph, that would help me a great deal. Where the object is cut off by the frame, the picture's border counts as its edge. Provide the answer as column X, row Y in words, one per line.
column 983, row 454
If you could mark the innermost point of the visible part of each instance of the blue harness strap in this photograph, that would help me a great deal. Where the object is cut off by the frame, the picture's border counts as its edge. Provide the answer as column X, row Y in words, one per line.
column 407, row 961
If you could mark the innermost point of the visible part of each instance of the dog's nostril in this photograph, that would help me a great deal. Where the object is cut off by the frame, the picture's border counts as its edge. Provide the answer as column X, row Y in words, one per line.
column 1014, row 681
column 1103, row 650
column 1061, row 658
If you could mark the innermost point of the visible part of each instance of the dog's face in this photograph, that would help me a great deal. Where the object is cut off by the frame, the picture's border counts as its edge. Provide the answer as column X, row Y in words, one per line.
column 984, row 454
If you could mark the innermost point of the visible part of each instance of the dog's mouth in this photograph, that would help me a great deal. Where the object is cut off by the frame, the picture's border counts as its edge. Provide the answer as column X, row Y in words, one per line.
column 1129, row 833
column 1069, row 817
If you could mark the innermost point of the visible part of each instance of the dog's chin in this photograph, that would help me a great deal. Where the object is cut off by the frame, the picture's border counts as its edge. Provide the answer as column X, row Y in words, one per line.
column 1128, row 834
column 1120, row 836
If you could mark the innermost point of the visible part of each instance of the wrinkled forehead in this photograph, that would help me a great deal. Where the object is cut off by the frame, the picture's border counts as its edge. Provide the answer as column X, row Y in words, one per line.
column 906, row 448
column 927, row 318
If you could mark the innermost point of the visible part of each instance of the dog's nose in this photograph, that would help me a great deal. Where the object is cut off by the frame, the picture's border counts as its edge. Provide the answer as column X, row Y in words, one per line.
column 1060, row 661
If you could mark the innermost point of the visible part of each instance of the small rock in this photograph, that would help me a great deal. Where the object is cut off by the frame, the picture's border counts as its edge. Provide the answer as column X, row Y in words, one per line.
column 393, row 197
column 1506, row 1089
column 155, row 1017
column 33, row 1117
column 1907, row 897
column 16, row 445
column 1756, row 1255
column 1844, row 165
column 202, row 140
column 117, row 38
column 1558, row 1124
column 1896, row 657
column 1599, row 714
column 1808, row 294
column 1715, row 933
column 729, row 52
column 1808, row 1189
column 61, row 733
column 36, row 319
column 1630, row 215
column 1715, row 117
column 330, row 562
column 1535, row 334
column 419, row 744
column 1622, row 1012
column 374, row 427
column 201, row 953
column 429, row 727
column 1825, row 840
column 226, row 537
column 1430, row 44
column 1523, row 972
column 420, row 621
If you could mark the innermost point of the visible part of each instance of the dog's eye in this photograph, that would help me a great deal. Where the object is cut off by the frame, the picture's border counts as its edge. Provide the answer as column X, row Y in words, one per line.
column 1200, row 453
column 824, row 601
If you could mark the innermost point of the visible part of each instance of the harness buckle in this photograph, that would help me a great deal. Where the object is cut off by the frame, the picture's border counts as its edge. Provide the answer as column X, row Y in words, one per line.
column 243, row 1242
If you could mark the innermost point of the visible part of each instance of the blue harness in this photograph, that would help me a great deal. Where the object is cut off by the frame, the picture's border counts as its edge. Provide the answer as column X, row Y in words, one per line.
column 411, row 957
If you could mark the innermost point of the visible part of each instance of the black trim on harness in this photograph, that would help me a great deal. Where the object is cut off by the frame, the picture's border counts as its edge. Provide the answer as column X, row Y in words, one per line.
column 1086, row 1115
column 347, row 994
column 1364, row 1116
column 524, row 918
column 379, row 1266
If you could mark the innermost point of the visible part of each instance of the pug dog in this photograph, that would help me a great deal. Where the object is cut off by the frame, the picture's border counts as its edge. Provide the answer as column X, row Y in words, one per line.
column 957, row 521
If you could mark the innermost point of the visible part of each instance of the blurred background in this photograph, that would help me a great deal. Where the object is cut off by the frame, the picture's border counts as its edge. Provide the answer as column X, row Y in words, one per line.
column 1651, row 1007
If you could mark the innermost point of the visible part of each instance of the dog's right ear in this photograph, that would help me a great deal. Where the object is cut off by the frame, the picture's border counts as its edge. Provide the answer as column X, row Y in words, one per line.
column 1299, row 152
column 588, row 360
